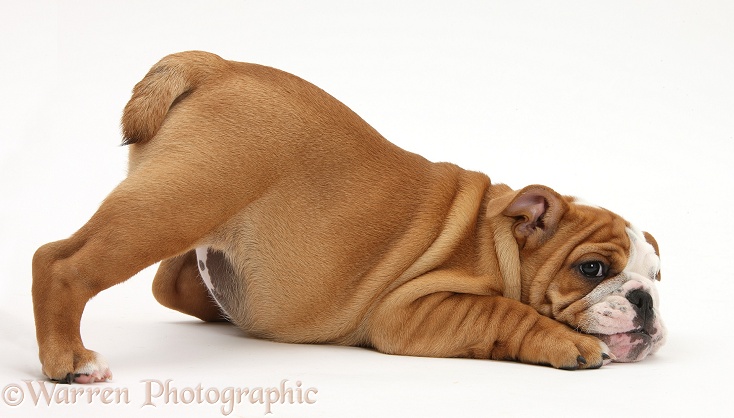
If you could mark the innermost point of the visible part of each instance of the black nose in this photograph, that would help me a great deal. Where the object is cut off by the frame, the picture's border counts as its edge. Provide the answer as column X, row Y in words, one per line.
column 642, row 301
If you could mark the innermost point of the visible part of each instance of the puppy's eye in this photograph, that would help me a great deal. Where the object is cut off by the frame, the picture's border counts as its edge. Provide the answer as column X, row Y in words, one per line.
column 593, row 269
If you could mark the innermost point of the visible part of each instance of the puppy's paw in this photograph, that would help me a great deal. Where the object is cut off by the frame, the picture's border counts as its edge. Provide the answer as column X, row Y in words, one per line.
column 93, row 371
column 76, row 366
column 592, row 355
column 558, row 346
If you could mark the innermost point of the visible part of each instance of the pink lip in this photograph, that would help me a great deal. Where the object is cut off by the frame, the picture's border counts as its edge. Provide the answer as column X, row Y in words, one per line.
column 628, row 346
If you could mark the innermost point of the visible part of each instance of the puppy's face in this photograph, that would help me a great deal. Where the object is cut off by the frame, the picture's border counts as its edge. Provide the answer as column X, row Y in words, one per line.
column 623, row 310
column 597, row 273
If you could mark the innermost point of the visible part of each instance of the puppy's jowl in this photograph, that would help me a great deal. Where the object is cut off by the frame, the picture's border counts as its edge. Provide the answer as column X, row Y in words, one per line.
column 273, row 205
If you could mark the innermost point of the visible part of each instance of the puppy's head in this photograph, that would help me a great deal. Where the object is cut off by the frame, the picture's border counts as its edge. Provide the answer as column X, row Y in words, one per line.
column 588, row 268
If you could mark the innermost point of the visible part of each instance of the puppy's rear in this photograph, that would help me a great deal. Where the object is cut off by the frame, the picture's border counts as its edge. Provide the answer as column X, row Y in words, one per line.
column 169, row 79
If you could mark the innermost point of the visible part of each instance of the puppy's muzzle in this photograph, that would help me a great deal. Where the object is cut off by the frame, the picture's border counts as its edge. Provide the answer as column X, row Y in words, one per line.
column 642, row 303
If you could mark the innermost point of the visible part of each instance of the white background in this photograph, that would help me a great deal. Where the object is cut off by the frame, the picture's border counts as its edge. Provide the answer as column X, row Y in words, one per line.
column 628, row 104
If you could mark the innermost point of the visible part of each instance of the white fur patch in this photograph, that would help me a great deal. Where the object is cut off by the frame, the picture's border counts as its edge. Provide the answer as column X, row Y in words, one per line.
column 643, row 259
column 201, row 256
column 201, row 259
column 94, row 371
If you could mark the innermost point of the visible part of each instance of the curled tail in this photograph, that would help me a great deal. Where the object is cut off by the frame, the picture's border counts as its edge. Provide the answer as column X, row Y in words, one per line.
column 169, row 79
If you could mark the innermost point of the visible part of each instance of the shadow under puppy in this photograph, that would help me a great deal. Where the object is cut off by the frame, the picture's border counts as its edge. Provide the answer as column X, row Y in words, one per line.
column 307, row 226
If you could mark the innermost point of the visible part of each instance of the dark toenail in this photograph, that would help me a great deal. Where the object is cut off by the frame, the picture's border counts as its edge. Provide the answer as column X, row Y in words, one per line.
column 66, row 380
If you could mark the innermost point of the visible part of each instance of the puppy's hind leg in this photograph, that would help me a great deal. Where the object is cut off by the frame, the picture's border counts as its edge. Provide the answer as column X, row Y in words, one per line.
column 151, row 216
column 177, row 285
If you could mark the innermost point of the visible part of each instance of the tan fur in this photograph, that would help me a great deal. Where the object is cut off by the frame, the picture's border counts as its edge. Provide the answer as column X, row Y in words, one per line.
column 339, row 236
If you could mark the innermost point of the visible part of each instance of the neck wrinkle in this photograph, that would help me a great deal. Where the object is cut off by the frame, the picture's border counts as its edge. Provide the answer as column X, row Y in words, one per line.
column 508, row 258
column 497, row 238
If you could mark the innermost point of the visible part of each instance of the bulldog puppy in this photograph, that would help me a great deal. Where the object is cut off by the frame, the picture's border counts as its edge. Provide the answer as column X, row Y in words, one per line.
column 274, row 206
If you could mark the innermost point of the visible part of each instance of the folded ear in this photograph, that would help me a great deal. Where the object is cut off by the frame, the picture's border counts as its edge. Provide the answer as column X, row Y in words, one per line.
column 651, row 240
column 537, row 211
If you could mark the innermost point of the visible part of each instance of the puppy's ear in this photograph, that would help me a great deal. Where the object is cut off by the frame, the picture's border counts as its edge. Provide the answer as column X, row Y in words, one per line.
column 651, row 240
column 537, row 210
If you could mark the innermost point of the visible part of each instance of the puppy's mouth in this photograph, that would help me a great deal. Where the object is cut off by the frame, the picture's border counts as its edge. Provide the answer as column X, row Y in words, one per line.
column 628, row 346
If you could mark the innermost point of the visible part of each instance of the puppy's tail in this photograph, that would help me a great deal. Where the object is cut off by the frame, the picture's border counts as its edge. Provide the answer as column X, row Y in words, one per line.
column 171, row 78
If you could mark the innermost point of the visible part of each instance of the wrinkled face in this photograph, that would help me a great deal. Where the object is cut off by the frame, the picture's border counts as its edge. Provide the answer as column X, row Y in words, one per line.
column 603, row 273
